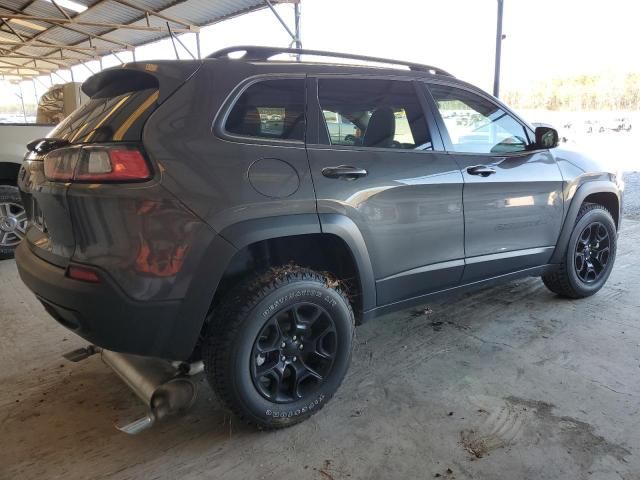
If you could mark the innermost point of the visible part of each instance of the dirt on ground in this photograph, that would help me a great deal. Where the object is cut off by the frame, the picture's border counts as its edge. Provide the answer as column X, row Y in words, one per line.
column 510, row 382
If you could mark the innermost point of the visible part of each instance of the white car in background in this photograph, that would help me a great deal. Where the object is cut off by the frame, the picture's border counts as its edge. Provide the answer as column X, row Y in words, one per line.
column 58, row 102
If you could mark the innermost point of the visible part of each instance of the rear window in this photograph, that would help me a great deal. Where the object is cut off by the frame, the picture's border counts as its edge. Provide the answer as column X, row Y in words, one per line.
column 269, row 109
column 110, row 115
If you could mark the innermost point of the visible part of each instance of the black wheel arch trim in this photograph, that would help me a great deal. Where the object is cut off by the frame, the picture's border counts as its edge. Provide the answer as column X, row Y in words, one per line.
column 247, row 232
column 197, row 302
column 583, row 191
column 228, row 242
column 348, row 231
column 9, row 173
column 251, row 231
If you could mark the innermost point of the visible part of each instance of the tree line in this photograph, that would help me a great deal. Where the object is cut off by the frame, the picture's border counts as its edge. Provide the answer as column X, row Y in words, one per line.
column 580, row 92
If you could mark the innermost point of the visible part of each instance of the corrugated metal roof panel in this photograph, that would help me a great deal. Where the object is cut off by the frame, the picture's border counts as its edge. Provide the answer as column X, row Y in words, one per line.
column 111, row 17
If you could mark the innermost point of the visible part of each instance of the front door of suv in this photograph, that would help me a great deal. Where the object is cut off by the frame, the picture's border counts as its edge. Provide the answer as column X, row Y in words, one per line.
column 384, row 169
column 513, row 203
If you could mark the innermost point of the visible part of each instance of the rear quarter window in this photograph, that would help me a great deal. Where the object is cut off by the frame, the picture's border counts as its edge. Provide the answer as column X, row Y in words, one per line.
column 271, row 109
column 109, row 116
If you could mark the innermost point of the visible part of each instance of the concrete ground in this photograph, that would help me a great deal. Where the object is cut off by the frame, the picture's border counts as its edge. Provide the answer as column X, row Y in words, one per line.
column 509, row 382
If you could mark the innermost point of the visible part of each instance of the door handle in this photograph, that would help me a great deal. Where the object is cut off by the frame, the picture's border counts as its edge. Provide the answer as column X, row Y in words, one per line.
column 481, row 170
column 344, row 171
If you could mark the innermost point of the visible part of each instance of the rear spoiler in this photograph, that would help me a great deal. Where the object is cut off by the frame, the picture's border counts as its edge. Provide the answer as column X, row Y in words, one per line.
column 166, row 75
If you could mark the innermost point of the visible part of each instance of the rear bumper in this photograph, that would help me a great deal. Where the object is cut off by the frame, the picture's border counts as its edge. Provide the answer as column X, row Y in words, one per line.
column 100, row 312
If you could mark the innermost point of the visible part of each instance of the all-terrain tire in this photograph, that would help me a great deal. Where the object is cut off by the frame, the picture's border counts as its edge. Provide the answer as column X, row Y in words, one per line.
column 237, row 326
column 565, row 281
column 9, row 199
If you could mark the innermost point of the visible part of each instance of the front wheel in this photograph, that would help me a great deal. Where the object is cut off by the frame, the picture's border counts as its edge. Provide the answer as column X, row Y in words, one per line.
column 589, row 256
column 280, row 346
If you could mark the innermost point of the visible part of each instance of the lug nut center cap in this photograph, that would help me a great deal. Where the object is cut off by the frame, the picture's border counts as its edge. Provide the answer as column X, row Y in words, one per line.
column 291, row 349
column 8, row 224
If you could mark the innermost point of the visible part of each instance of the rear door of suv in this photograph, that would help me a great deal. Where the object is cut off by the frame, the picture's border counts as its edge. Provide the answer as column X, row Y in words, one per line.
column 388, row 175
column 513, row 204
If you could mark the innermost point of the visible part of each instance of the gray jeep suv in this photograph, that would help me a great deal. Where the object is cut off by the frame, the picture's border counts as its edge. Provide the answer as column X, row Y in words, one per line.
column 203, row 210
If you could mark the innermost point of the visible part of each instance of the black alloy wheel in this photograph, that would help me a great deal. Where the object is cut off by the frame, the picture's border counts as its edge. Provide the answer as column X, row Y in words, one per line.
column 279, row 345
column 589, row 255
column 592, row 252
column 293, row 353
column 13, row 220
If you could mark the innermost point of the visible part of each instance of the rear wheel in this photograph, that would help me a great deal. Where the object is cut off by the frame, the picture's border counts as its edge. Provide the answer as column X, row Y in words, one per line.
column 13, row 220
column 280, row 346
column 589, row 257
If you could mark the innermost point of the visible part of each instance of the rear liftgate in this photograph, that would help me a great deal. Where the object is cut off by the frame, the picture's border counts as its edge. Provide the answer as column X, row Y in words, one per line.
column 165, row 387
column 109, row 127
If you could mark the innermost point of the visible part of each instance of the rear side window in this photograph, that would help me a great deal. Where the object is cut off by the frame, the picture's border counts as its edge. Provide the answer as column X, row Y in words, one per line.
column 373, row 113
column 270, row 109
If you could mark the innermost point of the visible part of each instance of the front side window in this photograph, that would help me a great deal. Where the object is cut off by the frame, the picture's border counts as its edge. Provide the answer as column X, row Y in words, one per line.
column 373, row 113
column 477, row 125
column 270, row 109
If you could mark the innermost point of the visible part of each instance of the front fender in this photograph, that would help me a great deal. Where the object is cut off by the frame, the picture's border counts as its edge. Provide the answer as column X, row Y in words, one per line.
column 581, row 193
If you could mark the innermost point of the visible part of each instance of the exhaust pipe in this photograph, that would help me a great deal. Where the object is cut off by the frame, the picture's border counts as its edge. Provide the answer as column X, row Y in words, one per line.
column 165, row 387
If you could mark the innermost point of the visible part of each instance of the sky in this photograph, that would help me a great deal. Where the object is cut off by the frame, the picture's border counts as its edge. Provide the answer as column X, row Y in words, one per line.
column 544, row 38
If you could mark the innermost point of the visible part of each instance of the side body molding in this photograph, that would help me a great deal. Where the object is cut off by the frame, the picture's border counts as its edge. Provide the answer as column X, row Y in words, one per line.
column 583, row 191
column 348, row 231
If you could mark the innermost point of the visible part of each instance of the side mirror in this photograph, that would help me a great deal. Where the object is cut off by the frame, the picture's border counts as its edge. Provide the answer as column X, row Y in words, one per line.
column 547, row 137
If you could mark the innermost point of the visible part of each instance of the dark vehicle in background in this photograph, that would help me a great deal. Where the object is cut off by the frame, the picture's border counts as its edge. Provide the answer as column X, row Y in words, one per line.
column 206, row 210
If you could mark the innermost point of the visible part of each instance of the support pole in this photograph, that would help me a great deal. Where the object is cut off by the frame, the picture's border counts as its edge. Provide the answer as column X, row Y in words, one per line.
column 35, row 91
column 198, row 45
column 24, row 112
column 282, row 22
column 44, row 85
column 173, row 42
column 88, row 68
column 496, row 75
column 184, row 46
column 296, row 10
column 60, row 77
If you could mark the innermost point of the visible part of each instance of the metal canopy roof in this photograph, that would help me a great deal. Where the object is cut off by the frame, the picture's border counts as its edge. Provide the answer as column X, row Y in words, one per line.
column 38, row 37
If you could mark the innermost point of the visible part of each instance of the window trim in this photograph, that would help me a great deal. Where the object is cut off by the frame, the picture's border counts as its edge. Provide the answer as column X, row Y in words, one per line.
column 220, row 119
column 322, row 141
column 426, row 84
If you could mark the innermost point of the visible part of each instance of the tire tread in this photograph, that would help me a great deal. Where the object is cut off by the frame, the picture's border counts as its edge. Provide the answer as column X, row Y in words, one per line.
column 227, row 322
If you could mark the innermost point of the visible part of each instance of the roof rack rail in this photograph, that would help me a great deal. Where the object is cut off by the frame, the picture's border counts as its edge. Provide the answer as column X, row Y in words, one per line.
column 257, row 54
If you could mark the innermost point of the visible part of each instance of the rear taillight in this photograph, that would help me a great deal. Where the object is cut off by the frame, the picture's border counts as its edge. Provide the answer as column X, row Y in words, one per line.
column 60, row 165
column 118, row 163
